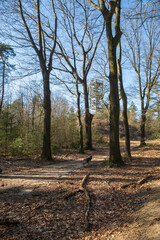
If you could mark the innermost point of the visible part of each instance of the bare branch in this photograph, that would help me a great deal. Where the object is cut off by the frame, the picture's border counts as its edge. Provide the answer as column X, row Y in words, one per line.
column 27, row 28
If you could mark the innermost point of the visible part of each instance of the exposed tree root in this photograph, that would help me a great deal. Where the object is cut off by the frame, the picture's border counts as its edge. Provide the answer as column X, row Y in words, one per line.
column 88, row 197
column 139, row 182
column 144, row 180
column 133, row 184
column 72, row 194
column 88, row 206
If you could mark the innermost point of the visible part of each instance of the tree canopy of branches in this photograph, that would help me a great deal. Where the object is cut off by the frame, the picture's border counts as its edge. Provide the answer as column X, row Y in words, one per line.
column 143, row 55
column 78, row 24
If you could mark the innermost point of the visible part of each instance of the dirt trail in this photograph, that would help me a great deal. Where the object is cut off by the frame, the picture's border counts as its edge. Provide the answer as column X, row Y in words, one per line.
column 33, row 193
column 62, row 169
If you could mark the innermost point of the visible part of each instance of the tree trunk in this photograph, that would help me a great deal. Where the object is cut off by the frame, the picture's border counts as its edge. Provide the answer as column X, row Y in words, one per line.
column 88, row 119
column 124, row 100
column 81, row 150
column 3, row 78
column 115, row 155
column 46, row 150
column 126, row 126
column 33, row 115
column 142, row 128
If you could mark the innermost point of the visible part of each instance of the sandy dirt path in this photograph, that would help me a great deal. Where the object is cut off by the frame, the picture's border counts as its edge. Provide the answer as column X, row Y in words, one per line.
column 33, row 205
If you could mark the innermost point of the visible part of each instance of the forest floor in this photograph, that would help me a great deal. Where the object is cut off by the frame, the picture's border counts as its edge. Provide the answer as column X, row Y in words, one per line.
column 36, row 200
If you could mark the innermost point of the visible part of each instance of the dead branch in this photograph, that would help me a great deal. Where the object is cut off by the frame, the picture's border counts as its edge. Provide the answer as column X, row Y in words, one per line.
column 88, row 197
column 88, row 206
column 84, row 180
column 144, row 180
column 128, row 185
column 139, row 182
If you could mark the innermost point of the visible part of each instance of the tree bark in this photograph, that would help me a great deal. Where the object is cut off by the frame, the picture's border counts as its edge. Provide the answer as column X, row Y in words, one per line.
column 88, row 119
column 115, row 154
column 124, row 100
column 142, row 128
column 81, row 150
column 46, row 150
column 3, row 78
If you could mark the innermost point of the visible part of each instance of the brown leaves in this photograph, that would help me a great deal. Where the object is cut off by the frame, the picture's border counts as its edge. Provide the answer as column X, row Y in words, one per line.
column 40, row 202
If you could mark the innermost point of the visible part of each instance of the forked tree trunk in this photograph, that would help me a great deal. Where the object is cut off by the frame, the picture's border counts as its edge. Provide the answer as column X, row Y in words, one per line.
column 46, row 150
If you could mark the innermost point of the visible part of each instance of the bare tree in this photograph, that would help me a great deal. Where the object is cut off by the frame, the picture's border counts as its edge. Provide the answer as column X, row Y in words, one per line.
column 83, row 42
column 143, row 43
column 40, row 33
column 107, row 8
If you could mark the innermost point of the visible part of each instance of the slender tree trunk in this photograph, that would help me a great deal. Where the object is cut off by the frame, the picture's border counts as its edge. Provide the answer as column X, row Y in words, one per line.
column 81, row 150
column 142, row 128
column 88, row 119
column 46, row 151
column 3, row 78
column 115, row 154
column 124, row 100
column 6, row 132
column 33, row 115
